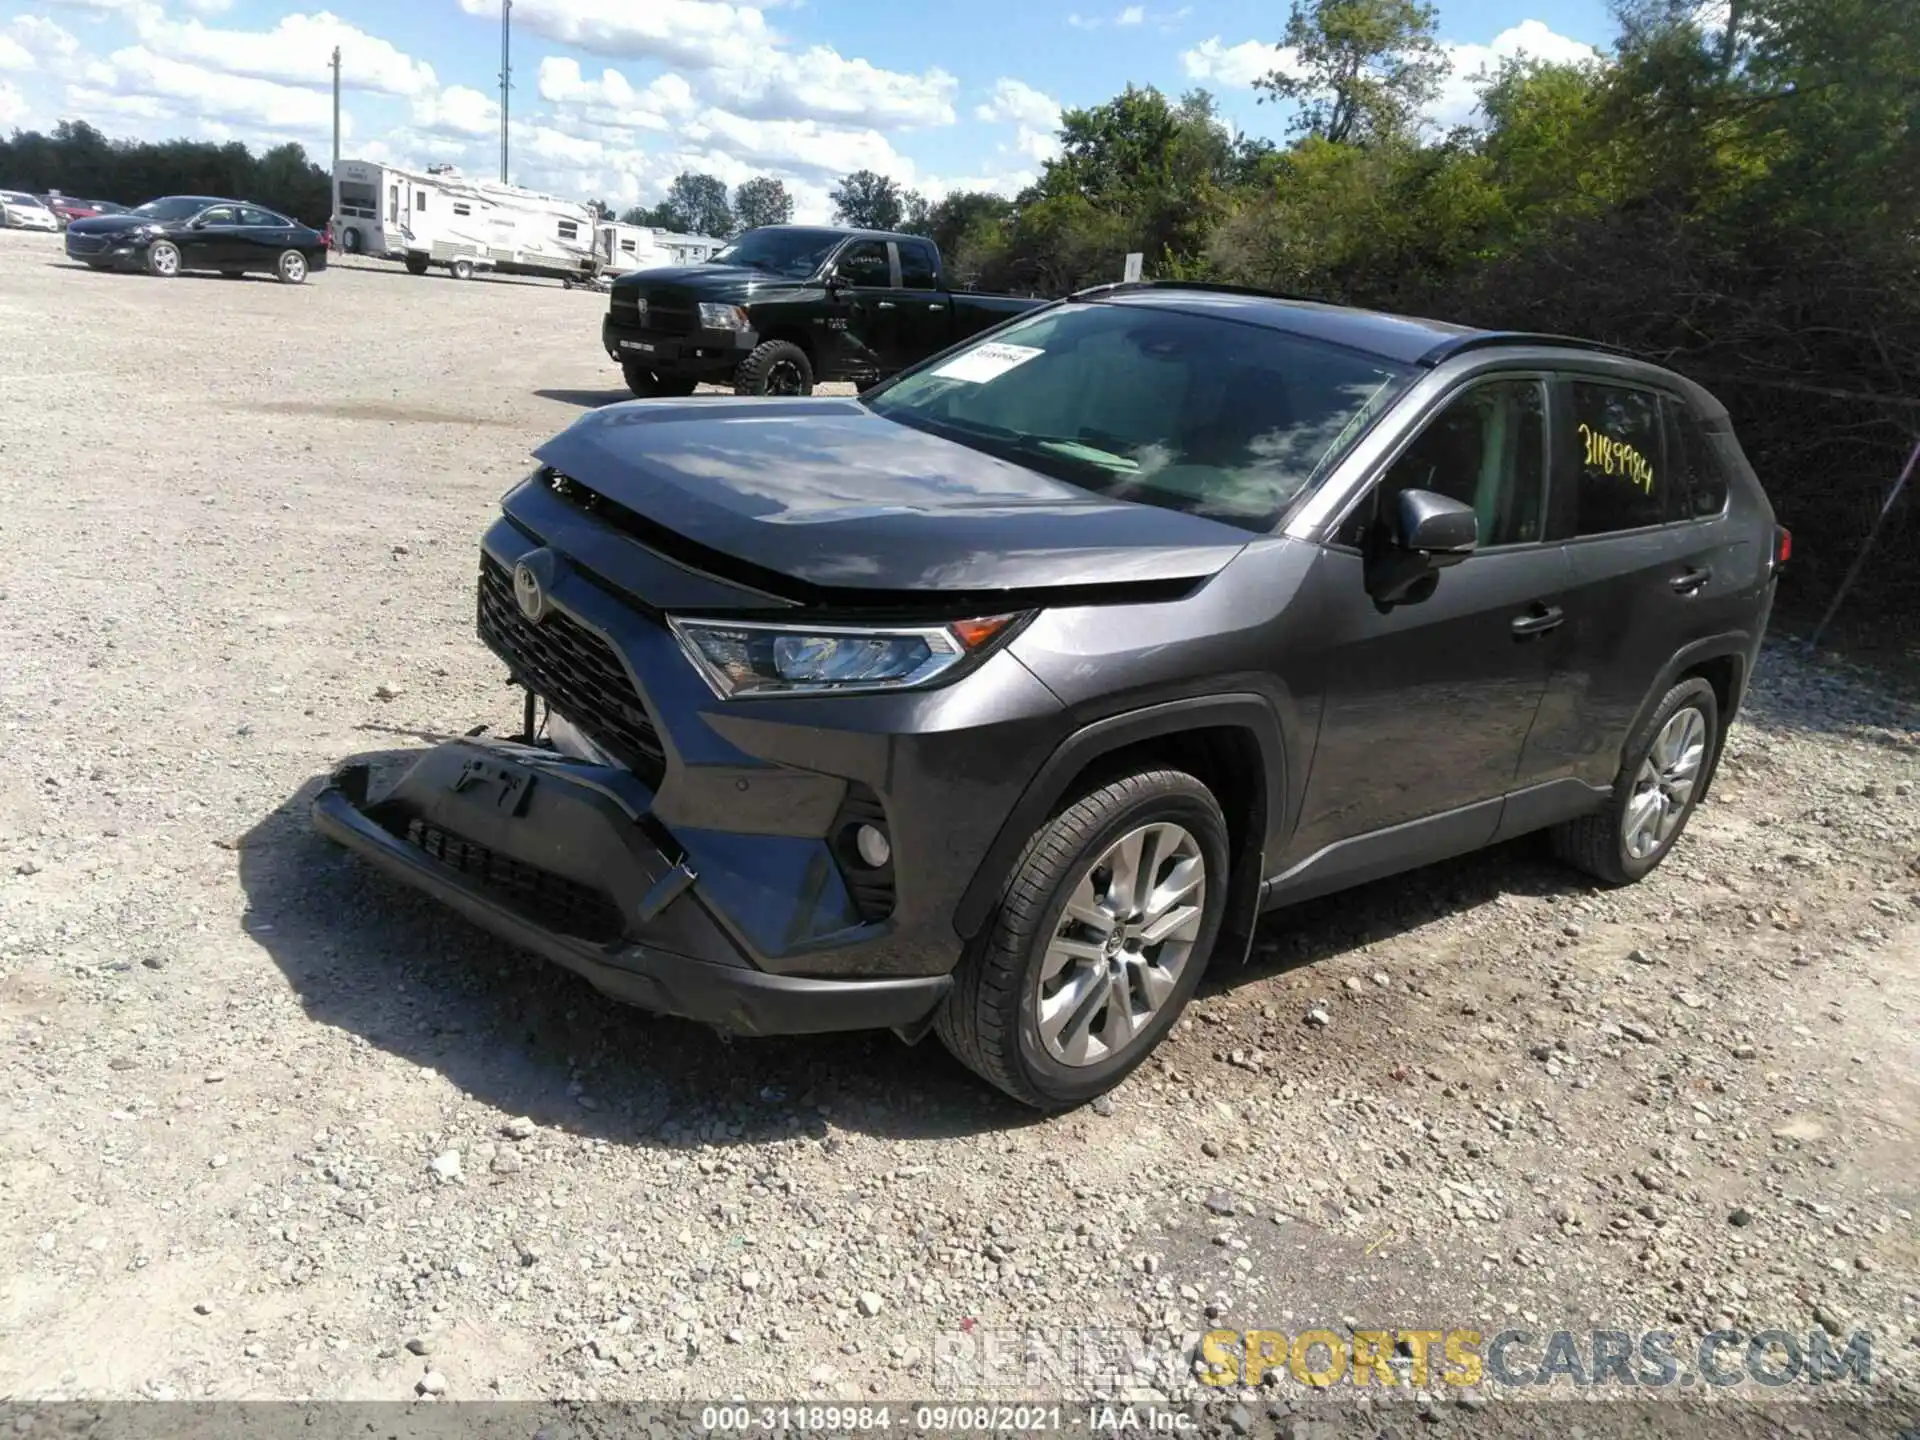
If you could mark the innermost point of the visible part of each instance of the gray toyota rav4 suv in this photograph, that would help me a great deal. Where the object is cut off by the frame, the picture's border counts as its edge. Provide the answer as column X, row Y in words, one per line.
column 1001, row 701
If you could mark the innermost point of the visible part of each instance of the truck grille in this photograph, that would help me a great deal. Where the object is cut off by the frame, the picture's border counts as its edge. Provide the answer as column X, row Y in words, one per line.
column 670, row 314
column 541, row 896
column 575, row 670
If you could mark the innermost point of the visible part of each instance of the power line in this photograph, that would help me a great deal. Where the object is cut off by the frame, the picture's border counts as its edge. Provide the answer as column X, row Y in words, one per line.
column 333, row 215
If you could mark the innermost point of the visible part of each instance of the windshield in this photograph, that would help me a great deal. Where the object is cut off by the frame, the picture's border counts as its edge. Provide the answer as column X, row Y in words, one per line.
column 174, row 207
column 1192, row 412
column 793, row 253
column 15, row 197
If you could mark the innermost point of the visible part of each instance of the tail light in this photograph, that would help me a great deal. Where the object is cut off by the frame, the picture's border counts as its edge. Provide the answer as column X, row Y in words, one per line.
column 1782, row 546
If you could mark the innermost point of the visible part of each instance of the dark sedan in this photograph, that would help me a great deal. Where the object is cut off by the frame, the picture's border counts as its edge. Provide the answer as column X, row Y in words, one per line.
column 199, row 232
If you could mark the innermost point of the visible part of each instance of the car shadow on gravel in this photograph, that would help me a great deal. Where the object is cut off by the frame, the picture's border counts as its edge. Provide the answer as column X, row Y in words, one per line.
column 586, row 399
column 374, row 958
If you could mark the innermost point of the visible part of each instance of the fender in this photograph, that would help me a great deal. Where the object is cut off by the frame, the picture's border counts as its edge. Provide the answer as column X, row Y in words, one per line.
column 1248, row 712
column 1739, row 644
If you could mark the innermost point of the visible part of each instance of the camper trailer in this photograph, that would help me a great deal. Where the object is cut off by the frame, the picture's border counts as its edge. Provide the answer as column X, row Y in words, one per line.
column 439, row 217
column 630, row 247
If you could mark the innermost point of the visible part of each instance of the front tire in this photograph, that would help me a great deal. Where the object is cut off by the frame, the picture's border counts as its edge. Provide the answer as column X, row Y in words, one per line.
column 163, row 259
column 291, row 268
column 775, row 367
column 650, row 386
column 1100, row 938
column 1662, row 772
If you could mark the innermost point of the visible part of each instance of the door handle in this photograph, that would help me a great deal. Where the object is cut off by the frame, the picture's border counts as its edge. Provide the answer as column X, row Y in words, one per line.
column 1537, row 621
column 1689, row 581
column 936, row 307
column 886, row 304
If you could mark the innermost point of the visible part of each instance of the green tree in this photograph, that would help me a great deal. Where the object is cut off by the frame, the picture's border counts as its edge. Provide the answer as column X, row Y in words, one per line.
column 868, row 200
column 761, row 201
column 1362, row 69
column 699, row 205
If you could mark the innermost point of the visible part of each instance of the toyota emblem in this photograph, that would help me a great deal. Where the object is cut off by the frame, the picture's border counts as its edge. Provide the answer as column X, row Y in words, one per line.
column 528, row 594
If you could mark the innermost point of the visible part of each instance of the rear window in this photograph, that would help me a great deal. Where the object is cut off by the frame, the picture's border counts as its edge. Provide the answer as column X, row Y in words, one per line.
column 1701, row 463
column 1623, row 483
column 1196, row 413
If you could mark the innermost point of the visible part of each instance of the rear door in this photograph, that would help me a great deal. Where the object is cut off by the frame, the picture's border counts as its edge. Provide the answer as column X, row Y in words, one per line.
column 1617, row 493
column 926, row 316
column 262, row 236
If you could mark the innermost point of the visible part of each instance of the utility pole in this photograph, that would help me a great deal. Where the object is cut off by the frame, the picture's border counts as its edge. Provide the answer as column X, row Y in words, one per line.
column 333, row 215
column 506, row 79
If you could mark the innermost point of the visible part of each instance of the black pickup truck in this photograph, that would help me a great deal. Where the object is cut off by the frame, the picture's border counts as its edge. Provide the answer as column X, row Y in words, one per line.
column 786, row 306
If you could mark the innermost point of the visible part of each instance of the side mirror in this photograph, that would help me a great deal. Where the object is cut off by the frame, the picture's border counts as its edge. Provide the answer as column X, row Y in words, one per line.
column 1438, row 526
column 1431, row 533
column 198, row 224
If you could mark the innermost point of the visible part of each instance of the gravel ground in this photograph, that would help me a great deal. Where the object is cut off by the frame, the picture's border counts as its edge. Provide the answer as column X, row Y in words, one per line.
column 274, row 1127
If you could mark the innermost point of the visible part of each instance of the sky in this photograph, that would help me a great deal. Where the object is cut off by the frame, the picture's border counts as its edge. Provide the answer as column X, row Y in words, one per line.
column 612, row 98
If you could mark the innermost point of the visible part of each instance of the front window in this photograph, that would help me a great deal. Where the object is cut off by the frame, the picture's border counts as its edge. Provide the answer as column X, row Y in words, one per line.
column 1216, row 417
column 795, row 254
column 174, row 207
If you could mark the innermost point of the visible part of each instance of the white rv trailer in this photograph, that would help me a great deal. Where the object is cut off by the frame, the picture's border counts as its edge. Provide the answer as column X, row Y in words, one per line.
column 440, row 217
column 630, row 247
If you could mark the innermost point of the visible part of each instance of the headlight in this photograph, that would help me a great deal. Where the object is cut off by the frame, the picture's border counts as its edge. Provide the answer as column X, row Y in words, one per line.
column 723, row 317
column 742, row 659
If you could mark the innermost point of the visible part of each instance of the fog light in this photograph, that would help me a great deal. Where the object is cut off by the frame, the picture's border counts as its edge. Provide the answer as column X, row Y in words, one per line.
column 872, row 844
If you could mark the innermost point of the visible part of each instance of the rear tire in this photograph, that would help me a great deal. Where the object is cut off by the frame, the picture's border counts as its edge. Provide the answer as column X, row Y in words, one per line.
column 416, row 264
column 291, row 268
column 649, row 386
column 776, row 367
column 1663, row 769
column 1035, row 956
column 350, row 241
column 461, row 269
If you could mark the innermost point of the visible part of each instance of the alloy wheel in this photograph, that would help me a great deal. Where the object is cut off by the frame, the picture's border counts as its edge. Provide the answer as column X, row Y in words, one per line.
column 1664, row 787
column 166, row 259
column 294, row 267
column 784, row 379
column 1125, row 936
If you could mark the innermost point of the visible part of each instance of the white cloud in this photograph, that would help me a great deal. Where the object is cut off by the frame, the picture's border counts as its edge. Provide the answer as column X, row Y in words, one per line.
column 297, row 51
column 14, row 55
column 822, row 84
column 42, row 39
column 828, row 150
column 1236, row 65
column 703, row 34
column 13, row 105
column 1035, row 115
column 457, row 110
column 611, row 101
column 208, row 7
column 134, row 82
column 1132, row 15
column 1459, row 94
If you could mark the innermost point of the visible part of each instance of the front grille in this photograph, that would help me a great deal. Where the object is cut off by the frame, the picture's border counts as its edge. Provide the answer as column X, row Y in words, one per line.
column 550, row 900
column 86, row 244
column 575, row 670
column 670, row 315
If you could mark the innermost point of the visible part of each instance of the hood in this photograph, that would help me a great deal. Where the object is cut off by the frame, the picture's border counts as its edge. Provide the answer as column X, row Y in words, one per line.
column 110, row 224
column 827, row 493
column 730, row 281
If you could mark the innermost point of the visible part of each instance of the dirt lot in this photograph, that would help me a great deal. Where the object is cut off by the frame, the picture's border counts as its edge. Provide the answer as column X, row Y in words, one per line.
column 274, row 1127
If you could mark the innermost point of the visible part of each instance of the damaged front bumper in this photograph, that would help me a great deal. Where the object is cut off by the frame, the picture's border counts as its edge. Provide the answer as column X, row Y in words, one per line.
column 562, row 857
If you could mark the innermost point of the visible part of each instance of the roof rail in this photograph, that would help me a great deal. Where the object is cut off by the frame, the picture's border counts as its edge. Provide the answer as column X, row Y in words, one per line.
column 1117, row 287
column 1487, row 339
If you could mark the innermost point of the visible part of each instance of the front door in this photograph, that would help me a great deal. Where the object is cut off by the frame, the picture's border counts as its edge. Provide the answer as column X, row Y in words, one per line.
column 1427, row 705
column 211, row 239
column 866, row 308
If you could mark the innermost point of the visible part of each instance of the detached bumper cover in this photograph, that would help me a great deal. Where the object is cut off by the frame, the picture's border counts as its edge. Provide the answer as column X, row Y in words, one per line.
column 552, row 855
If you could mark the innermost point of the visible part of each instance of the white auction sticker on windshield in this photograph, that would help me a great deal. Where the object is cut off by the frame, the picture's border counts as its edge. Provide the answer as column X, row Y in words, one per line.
column 988, row 362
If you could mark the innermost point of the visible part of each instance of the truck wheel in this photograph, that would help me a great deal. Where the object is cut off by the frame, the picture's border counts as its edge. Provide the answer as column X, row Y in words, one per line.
column 1101, row 935
column 416, row 264
column 461, row 269
column 1660, row 779
column 649, row 386
column 350, row 240
column 776, row 367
